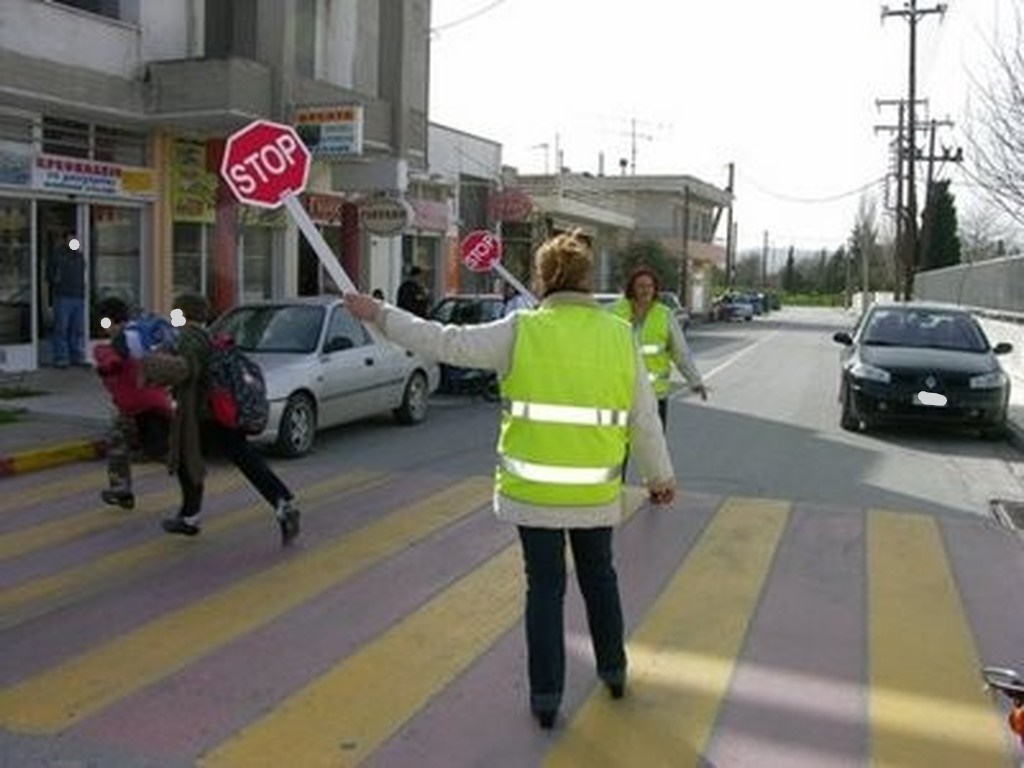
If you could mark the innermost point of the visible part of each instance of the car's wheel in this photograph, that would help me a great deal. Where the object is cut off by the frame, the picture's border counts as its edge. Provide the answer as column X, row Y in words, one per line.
column 413, row 409
column 995, row 431
column 848, row 419
column 298, row 426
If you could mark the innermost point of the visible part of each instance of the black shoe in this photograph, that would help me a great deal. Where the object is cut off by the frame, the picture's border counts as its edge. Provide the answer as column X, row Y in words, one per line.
column 123, row 499
column 617, row 690
column 546, row 718
column 179, row 525
column 288, row 520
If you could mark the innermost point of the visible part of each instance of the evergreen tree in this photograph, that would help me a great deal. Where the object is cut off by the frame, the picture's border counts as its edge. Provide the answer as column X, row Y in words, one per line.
column 940, row 245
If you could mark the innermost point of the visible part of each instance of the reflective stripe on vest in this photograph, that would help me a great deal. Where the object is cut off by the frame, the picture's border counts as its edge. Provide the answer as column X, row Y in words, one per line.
column 558, row 475
column 568, row 414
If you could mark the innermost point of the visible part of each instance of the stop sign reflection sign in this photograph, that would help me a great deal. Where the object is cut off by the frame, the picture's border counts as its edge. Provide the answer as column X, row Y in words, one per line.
column 481, row 250
column 264, row 162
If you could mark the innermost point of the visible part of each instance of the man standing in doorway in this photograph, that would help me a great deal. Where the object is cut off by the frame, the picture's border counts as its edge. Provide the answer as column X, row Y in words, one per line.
column 66, row 274
column 412, row 296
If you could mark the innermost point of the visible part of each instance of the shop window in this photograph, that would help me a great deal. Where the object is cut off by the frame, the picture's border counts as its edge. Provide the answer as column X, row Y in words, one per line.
column 65, row 137
column 15, row 272
column 116, row 266
column 189, row 257
column 258, row 246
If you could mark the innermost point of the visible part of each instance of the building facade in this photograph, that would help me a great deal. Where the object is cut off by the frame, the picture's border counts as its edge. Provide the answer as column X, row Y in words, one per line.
column 113, row 118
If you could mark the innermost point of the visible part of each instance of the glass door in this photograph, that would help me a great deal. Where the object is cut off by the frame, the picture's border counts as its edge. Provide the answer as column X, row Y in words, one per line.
column 15, row 283
column 57, row 223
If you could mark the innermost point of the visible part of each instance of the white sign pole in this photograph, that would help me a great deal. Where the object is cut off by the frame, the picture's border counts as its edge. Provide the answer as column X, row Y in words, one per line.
column 509, row 277
column 324, row 253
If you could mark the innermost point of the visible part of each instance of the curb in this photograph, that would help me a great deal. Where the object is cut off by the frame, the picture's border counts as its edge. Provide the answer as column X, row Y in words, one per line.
column 51, row 456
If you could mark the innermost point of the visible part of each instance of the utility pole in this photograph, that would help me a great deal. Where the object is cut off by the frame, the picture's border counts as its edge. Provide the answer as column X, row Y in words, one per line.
column 911, row 13
column 684, row 259
column 729, row 266
column 764, row 261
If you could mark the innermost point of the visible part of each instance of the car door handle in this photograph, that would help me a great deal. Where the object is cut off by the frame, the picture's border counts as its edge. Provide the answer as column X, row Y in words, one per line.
column 368, row 361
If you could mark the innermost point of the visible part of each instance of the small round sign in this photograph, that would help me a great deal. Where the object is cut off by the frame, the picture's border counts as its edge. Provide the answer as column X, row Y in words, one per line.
column 481, row 250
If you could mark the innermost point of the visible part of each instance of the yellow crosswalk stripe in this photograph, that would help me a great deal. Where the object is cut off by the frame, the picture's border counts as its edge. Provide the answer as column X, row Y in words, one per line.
column 37, row 597
column 682, row 655
column 67, row 484
column 56, row 532
column 348, row 712
column 926, row 704
column 94, row 680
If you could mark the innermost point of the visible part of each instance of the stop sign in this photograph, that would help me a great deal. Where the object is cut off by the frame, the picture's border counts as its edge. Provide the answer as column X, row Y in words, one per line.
column 264, row 162
column 481, row 250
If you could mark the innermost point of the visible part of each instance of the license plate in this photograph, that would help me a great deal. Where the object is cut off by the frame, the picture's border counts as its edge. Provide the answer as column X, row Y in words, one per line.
column 930, row 399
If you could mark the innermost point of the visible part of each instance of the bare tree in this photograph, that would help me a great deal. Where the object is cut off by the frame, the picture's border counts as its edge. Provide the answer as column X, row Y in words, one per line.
column 995, row 133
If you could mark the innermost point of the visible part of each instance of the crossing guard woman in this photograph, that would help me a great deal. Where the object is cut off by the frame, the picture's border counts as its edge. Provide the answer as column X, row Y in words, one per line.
column 660, row 338
column 575, row 392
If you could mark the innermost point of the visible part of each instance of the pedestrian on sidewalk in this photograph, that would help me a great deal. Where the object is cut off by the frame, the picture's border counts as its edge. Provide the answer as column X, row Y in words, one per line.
column 142, row 411
column 65, row 272
column 186, row 372
column 576, row 391
column 659, row 337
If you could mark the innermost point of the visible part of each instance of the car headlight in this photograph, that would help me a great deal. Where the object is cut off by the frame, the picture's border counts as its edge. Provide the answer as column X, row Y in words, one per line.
column 871, row 373
column 994, row 380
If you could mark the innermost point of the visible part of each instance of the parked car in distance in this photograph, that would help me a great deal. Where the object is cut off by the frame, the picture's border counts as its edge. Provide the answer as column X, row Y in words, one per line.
column 468, row 309
column 322, row 368
column 671, row 300
column 923, row 363
column 732, row 306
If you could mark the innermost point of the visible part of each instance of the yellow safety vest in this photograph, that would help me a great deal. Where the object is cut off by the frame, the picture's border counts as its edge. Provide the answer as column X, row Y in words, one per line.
column 567, row 399
column 654, row 338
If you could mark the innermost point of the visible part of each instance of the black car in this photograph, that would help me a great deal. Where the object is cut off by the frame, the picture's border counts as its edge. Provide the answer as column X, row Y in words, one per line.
column 922, row 363
column 468, row 309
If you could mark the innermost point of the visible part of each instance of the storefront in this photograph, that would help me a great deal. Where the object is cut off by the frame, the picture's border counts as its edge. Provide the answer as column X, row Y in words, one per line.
column 44, row 198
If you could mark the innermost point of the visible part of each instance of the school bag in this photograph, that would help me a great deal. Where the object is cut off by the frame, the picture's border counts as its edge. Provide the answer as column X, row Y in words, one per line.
column 144, row 334
column 236, row 391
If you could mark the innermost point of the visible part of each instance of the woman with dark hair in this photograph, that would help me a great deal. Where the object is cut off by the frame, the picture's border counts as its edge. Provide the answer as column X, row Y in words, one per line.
column 659, row 337
column 575, row 391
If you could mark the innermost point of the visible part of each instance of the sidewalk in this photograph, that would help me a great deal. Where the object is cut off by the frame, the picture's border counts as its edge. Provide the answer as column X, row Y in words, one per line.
column 66, row 422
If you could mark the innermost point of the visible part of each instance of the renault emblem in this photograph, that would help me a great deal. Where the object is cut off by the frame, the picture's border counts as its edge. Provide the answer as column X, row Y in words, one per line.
column 930, row 382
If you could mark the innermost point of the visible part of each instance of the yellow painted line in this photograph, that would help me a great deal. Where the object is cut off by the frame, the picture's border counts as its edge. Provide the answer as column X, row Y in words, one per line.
column 39, row 596
column 342, row 717
column 96, row 679
column 926, row 704
column 57, row 488
column 682, row 656
column 54, row 455
column 56, row 532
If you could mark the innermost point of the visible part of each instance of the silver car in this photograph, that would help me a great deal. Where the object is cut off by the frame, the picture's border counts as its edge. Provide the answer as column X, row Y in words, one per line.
column 322, row 368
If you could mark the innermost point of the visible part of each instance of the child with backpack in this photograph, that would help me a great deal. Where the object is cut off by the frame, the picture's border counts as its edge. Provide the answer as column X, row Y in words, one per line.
column 187, row 371
column 143, row 411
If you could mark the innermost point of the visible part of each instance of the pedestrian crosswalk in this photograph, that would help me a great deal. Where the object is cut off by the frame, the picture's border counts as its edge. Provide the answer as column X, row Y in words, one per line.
column 762, row 632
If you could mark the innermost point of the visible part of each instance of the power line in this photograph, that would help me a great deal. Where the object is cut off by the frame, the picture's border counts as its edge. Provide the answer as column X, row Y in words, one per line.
column 815, row 200
column 468, row 17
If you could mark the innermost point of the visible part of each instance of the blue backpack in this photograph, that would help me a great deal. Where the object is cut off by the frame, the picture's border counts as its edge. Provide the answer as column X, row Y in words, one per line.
column 155, row 332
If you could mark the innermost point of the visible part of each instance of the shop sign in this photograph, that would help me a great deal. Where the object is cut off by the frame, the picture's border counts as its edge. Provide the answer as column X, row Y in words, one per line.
column 386, row 216
column 193, row 187
column 324, row 209
column 331, row 131
column 15, row 168
column 431, row 215
column 512, row 205
column 91, row 177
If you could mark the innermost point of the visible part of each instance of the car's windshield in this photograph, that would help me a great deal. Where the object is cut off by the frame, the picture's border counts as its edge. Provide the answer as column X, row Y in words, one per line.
column 467, row 311
column 924, row 328
column 273, row 328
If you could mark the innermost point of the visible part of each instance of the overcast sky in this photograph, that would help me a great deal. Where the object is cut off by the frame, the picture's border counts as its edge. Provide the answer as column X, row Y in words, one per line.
column 785, row 89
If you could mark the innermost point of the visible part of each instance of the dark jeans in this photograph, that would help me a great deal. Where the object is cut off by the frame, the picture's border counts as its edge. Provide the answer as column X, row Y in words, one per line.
column 249, row 461
column 68, row 330
column 544, row 558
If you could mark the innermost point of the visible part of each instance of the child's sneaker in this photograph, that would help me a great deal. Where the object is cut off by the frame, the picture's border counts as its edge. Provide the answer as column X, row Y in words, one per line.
column 123, row 499
column 288, row 520
column 186, row 526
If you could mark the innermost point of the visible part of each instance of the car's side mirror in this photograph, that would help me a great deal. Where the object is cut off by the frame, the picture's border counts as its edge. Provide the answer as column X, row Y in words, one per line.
column 337, row 344
column 1002, row 348
column 843, row 337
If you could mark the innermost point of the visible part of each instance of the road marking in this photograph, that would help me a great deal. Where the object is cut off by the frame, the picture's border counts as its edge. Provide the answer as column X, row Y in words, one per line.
column 62, row 486
column 85, row 684
column 34, row 598
column 56, row 532
column 342, row 717
column 681, row 657
column 926, row 703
